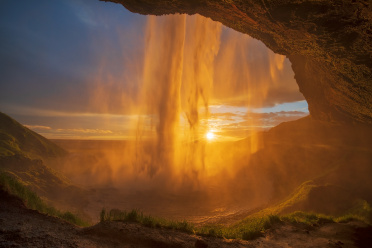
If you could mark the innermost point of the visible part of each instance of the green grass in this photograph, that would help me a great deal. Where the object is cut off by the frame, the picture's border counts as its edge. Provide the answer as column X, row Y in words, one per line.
column 32, row 201
column 146, row 220
column 17, row 139
column 310, row 219
column 8, row 145
column 362, row 211
column 248, row 229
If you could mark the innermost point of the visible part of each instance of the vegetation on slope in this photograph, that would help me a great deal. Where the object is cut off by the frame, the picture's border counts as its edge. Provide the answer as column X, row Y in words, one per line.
column 321, row 157
column 249, row 228
column 19, row 146
column 23, row 154
column 32, row 201
column 15, row 139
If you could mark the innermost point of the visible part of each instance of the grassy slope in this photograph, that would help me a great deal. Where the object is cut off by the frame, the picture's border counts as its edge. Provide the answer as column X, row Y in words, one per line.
column 22, row 156
column 314, row 191
column 249, row 228
column 314, row 166
column 22, row 152
column 32, row 201
column 17, row 139
column 314, row 182
column 343, row 186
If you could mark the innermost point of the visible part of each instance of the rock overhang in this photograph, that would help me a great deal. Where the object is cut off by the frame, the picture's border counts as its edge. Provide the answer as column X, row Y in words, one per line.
column 328, row 43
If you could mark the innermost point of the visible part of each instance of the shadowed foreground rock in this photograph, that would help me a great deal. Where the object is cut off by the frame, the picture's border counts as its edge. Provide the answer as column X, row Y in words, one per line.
column 22, row 227
column 328, row 43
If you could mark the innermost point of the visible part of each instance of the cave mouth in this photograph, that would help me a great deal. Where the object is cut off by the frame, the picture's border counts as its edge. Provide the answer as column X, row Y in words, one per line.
column 197, row 89
column 179, row 90
column 189, row 100
column 328, row 45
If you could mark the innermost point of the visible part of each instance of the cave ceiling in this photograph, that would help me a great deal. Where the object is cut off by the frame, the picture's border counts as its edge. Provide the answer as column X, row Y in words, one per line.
column 328, row 43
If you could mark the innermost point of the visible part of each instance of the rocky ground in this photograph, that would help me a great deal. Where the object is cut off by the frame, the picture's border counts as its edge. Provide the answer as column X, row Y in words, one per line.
column 22, row 227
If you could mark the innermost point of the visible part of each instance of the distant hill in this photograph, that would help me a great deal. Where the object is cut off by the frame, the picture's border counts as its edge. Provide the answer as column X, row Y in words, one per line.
column 310, row 165
column 23, row 154
column 17, row 139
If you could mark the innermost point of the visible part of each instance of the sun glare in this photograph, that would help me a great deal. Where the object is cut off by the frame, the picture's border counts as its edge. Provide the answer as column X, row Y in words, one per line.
column 209, row 136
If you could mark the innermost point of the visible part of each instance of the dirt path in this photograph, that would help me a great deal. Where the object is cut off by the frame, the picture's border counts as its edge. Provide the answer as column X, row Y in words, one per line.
column 22, row 227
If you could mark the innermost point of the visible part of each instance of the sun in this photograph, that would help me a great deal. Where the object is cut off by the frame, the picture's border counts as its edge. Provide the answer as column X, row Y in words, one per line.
column 209, row 136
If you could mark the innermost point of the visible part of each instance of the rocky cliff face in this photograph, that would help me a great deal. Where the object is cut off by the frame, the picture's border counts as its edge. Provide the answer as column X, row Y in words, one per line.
column 328, row 43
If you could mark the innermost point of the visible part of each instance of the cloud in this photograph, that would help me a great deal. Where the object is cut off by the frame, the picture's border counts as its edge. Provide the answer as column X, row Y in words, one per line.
column 251, row 120
column 270, row 119
column 38, row 127
column 81, row 131
column 84, row 12
column 225, row 116
column 78, row 133
column 69, row 132
column 84, row 131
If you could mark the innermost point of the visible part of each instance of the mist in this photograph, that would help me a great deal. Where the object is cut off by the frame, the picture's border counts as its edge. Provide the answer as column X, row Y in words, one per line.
column 177, row 85
column 188, row 119
column 188, row 64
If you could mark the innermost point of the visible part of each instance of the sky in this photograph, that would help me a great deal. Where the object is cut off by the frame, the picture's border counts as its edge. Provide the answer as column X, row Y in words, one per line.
column 73, row 69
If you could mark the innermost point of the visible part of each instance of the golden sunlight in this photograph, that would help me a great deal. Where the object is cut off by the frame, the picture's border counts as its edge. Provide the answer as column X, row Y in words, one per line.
column 210, row 135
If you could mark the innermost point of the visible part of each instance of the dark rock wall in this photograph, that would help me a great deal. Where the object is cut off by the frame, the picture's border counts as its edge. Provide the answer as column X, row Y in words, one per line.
column 328, row 43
